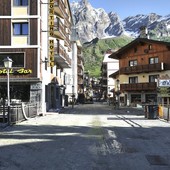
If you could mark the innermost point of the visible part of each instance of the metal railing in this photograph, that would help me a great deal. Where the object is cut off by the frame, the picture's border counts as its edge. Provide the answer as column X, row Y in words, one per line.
column 18, row 112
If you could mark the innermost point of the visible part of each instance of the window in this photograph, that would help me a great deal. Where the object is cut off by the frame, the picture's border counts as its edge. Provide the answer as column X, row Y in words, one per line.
column 20, row 2
column 18, row 59
column 135, row 98
column 150, row 98
column 153, row 60
column 135, row 49
column 20, row 28
column 153, row 78
column 133, row 80
column 150, row 46
column 133, row 63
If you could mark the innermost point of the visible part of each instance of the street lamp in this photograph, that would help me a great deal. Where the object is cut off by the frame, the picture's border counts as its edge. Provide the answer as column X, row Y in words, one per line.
column 72, row 96
column 8, row 64
column 118, row 102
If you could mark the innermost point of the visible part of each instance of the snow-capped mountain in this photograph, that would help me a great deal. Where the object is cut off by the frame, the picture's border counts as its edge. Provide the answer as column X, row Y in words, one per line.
column 91, row 23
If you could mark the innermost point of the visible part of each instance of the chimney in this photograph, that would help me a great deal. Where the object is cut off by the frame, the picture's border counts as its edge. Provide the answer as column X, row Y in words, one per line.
column 143, row 32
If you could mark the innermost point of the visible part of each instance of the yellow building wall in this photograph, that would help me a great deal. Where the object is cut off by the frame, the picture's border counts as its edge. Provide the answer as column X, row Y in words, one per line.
column 19, row 11
column 164, row 73
column 142, row 78
column 20, row 40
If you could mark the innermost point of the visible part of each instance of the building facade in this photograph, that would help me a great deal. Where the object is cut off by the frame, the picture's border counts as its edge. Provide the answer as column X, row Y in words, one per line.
column 35, row 34
column 109, row 66
column 142, row 63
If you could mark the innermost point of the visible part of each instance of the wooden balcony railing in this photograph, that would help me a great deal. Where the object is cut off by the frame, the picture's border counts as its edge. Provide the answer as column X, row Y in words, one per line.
column 138, row 87
column 62, row 57
column 59, row 8
column 68, row 24
column 59, row 29
column 142, row 68
column 67, row 42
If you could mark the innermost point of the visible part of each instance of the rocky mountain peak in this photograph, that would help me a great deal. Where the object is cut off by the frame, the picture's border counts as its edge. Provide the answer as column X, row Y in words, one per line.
column 91, row 23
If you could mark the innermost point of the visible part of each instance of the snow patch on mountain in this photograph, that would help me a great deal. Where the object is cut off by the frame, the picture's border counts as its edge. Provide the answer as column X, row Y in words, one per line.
column 92, row 23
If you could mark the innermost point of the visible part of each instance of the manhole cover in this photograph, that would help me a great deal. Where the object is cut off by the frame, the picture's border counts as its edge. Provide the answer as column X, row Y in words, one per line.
column 156, row 160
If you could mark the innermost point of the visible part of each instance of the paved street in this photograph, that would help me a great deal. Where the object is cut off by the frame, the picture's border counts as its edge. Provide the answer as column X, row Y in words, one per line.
column 87, row 137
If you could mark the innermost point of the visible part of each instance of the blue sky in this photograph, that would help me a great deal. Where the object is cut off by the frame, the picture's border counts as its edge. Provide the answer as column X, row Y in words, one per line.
column 125, row 8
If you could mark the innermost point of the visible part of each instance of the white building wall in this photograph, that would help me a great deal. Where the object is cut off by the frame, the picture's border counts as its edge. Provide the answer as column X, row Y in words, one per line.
column 112, row 67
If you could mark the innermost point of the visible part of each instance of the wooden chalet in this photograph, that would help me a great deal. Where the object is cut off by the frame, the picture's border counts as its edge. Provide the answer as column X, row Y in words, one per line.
column 141, row 63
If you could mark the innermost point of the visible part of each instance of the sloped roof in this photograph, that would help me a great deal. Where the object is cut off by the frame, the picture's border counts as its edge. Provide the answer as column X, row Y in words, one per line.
column 113, row 75
column 117, row 54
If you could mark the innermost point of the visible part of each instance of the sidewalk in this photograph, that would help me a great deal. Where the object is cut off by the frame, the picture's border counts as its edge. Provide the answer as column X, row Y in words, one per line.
column 76, row 109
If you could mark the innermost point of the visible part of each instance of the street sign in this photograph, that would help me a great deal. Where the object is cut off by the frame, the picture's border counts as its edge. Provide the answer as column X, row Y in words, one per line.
column 164, row 83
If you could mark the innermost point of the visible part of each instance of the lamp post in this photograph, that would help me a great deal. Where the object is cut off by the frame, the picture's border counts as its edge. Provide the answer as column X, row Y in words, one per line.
column 8, row 64
column 72, row 96
column 118, row 101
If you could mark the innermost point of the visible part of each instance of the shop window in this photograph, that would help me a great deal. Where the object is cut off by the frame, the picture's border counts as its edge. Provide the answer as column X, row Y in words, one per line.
column 150, row 98
column 18, row 92
column 135, row 98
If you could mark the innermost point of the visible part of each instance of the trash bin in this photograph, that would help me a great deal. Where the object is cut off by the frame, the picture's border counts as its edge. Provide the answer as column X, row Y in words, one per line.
column 151, row 111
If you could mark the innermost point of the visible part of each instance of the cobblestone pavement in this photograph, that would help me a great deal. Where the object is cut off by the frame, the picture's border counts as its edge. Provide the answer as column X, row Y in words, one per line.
column 87, row 137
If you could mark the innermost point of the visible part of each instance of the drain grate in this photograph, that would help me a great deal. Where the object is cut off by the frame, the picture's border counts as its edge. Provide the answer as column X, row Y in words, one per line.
column 156, row 160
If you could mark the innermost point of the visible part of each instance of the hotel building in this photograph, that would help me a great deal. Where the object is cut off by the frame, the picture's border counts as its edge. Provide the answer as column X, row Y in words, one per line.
column 35, row 34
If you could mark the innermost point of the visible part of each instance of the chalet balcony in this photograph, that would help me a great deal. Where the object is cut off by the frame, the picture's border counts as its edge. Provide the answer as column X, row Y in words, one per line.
column 67, row 42
column 59, row 8
column 61, row 57
column 142, row 68
column 59, row 29
column 138, row 87
column 68, row 24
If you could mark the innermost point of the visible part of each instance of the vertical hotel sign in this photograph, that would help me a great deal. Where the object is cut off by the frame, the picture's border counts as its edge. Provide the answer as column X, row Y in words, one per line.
column 51, row 32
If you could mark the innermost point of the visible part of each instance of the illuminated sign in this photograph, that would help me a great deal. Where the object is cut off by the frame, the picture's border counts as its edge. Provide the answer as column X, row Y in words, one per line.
column 19, row 71
column 51, row 53
column 51, row 18
column 51, row 32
